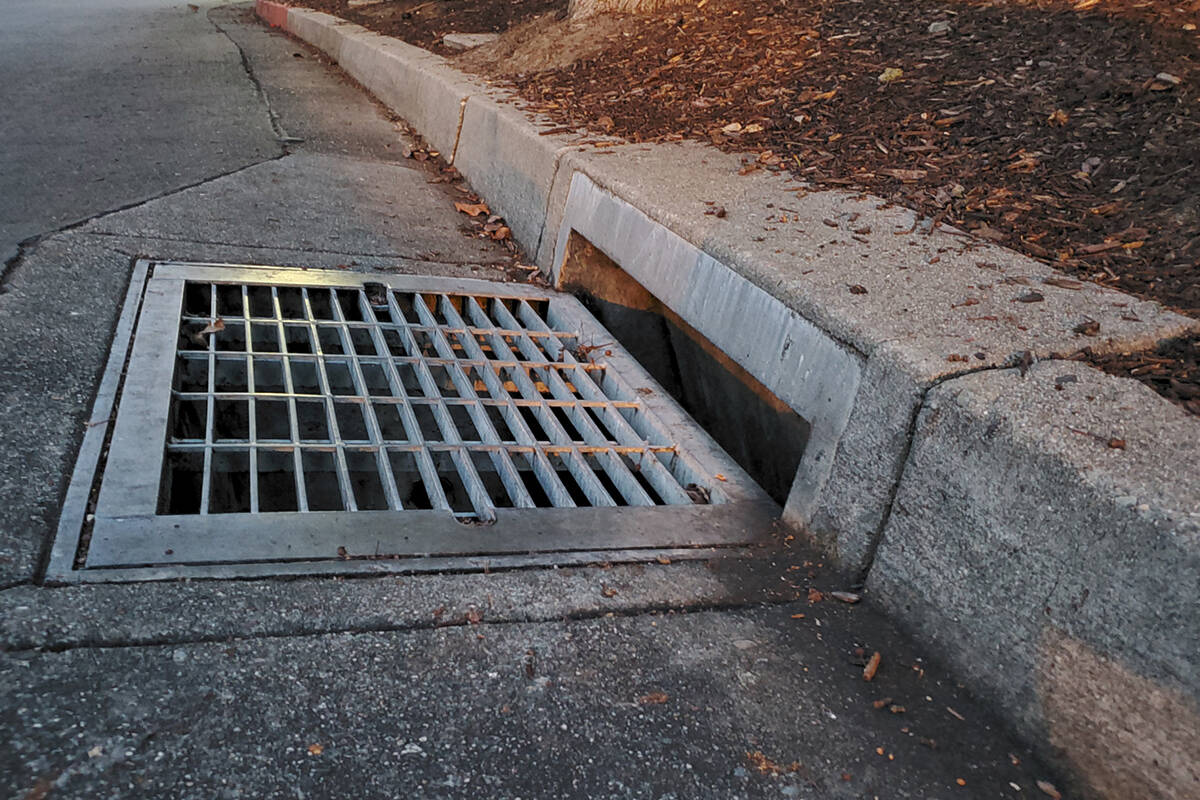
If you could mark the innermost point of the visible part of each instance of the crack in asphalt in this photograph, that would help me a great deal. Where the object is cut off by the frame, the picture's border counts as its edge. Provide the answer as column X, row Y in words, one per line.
column 26, row 246
column 280, row 134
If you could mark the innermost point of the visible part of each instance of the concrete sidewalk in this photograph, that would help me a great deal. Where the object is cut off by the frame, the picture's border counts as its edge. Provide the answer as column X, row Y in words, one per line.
column 703, row 679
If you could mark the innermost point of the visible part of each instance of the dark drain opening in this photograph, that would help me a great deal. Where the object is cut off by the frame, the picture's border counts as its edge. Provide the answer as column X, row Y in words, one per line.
column 762, row 434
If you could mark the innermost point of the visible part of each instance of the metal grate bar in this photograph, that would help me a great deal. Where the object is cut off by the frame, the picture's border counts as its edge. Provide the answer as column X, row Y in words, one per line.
column 507, row 471
column 584, row 477
column 210, row 410
column 486, row 402
column 647, row 463
column 614, row 467
column 543, row 470
column 339, row 447
column 382, row 465
column 449, row 430
column 251, row 422
column 293, row 419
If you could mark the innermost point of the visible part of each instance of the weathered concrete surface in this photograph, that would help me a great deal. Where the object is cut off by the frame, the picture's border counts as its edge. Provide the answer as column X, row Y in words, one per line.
column 315, row 109
column 909, row 307
column 415, row 83
column 55, row 323
column 71, row 152
column 110, row 615
column 1059, row 571
column 510, row 163
column 545, row 710
column 925, row 306
column 314, row 203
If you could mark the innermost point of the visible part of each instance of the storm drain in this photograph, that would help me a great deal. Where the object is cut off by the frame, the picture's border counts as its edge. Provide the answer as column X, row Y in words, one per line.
column 277, row 420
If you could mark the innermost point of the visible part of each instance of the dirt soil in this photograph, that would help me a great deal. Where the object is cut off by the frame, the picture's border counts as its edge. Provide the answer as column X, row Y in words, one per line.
column 1172, row 369
column 1069, row 131
column 425, row 22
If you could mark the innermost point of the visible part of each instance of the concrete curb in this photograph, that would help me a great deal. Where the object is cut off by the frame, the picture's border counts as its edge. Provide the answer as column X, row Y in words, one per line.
column 864, row 323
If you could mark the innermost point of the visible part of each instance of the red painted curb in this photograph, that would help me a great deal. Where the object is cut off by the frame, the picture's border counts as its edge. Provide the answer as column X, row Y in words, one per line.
column 275, row 14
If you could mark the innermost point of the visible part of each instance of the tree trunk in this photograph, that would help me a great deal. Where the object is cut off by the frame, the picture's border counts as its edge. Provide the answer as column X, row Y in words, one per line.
column 578, row 9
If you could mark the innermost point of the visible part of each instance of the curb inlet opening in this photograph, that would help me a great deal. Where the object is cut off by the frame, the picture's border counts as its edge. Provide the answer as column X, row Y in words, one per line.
column 757, row 429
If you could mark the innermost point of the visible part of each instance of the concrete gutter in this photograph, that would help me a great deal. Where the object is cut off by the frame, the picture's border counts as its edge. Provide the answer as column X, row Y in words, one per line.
column 943, row 477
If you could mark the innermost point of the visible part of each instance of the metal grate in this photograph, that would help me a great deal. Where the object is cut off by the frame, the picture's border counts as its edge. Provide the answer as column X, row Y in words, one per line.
column 285, row 421
column 299, row 399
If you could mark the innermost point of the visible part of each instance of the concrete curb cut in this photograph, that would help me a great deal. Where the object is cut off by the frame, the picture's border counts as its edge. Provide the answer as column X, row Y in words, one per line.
column 876, row 328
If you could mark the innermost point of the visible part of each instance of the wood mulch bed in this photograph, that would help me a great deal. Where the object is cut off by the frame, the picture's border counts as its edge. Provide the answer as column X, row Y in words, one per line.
column 1069, row 131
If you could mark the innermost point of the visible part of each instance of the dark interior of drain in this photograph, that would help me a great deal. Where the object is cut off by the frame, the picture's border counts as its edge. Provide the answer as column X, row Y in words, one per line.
column 761, row 433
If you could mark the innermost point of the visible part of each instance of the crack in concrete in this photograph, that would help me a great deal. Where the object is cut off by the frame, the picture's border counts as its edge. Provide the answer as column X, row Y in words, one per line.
column 864, row 569
column 26, row 246
column 650, row 609
column 272, row 117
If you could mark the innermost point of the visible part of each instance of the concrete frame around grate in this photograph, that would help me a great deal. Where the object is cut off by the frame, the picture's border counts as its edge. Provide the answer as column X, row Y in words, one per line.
column 125, row 538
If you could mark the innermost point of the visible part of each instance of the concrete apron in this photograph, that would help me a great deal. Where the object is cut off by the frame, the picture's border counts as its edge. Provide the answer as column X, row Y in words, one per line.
column 1034, row 525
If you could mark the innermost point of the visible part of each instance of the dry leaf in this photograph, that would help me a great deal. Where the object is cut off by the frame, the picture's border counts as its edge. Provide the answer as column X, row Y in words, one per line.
column 1163, row 81
column 768, row 767
column 653, row 699
column 216, row 326
column 608, row 591
column 846, row 597
column 503, row 232
column 904, row 174
column 890, row 74
column 1049, row 790
column 471, row 209
column 316, row 749
column 812, row 95
column 872, row 666
column 815, row 596
column 1059, row 117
